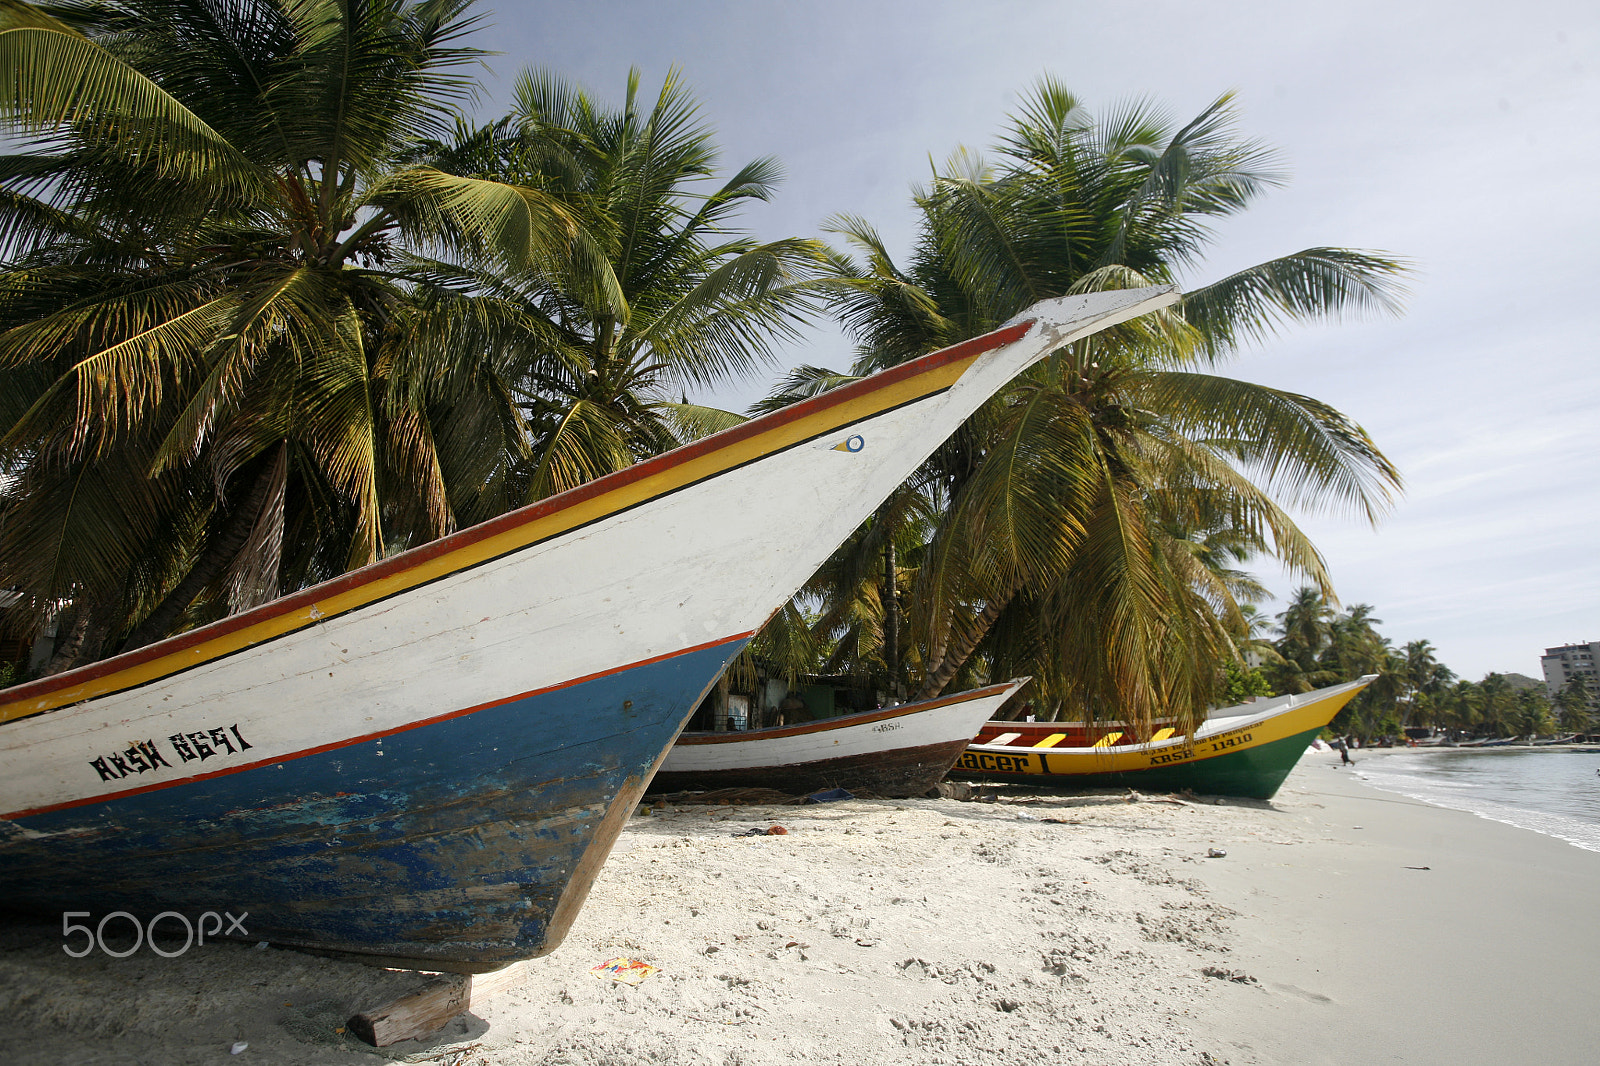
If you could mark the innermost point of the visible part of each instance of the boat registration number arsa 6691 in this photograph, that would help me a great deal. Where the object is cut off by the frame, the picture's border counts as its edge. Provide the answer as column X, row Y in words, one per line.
column 1005, row 764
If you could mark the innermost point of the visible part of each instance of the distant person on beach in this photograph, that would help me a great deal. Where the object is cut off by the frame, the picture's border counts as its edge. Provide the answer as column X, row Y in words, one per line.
column 1344, row 751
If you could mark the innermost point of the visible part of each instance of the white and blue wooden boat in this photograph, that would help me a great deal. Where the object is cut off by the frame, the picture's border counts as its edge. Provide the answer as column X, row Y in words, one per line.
column 426, row 761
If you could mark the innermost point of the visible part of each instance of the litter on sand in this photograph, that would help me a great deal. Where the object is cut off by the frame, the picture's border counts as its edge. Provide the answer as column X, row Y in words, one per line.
column 829, row 795
column 623, row 971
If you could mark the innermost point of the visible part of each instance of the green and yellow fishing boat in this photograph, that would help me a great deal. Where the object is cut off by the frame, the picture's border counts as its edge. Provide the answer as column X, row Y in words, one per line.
column 1245, row 750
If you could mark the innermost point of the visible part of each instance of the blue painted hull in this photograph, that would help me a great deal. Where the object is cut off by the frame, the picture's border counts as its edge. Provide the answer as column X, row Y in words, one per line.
column 495, row 823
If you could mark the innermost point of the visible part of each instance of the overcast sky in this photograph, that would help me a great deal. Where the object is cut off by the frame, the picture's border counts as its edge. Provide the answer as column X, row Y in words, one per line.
column 1464, row 136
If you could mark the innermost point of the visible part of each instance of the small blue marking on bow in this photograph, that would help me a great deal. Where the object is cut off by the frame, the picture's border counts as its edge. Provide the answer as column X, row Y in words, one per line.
column 853, row 444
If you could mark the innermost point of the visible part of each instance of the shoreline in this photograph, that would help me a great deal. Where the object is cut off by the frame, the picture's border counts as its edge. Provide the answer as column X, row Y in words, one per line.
column 1081, row 929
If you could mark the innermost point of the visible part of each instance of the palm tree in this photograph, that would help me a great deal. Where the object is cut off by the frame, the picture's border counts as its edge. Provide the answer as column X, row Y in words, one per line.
column 1424, row 680
column 1355, row 649
column 1422, row 664
column 226, row 370
column 1306, row 628
column 1460, row 706
column 1355, row 646
column 1253, row 640
column 1497, row 705
column 1532, row 715
column 1573, row 705
column 1062, row 548
column 660, row 294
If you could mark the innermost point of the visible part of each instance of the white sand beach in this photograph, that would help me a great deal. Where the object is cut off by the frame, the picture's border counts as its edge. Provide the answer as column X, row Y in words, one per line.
column 1065, row 929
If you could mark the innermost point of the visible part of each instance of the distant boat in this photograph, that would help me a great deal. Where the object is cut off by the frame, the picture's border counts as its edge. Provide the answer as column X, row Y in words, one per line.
column 894, row 751
column 426, row 761
column 1245, row 750
column 1546, row 742
column 1499, row 742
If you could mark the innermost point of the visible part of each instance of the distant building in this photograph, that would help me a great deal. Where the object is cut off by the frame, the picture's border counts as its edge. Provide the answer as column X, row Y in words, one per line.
column 1569, row 660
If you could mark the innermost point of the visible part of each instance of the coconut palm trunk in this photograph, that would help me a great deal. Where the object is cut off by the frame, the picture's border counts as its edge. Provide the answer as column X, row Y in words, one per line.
column 953, row 652
column 891, row 618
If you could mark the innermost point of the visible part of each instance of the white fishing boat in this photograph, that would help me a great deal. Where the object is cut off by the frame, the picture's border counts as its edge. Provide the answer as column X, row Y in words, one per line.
column 426, row 761
column 893, row 751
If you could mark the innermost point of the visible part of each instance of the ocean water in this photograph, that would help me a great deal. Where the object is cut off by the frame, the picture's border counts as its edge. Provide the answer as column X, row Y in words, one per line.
column 1556, row 793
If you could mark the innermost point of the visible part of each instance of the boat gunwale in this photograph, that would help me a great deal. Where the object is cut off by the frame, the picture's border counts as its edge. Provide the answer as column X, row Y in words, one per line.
column 843, row 721
column 40, row 690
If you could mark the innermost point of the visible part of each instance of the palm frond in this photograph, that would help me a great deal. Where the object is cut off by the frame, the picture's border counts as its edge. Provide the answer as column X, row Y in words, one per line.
column 53, row 78
column 1254, row 303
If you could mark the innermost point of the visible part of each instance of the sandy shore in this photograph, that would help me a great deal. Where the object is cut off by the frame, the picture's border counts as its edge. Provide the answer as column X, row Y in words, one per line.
column 1073, row 930
column 1488, row 954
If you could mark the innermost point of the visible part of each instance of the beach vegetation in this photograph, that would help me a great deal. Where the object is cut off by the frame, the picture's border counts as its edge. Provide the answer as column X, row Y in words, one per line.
column 1242, row 683
column 1497, row 705
column 1319, row 645
column 1305, row 641
column 272, row 308
column 1533, row 714
column 225, row 372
